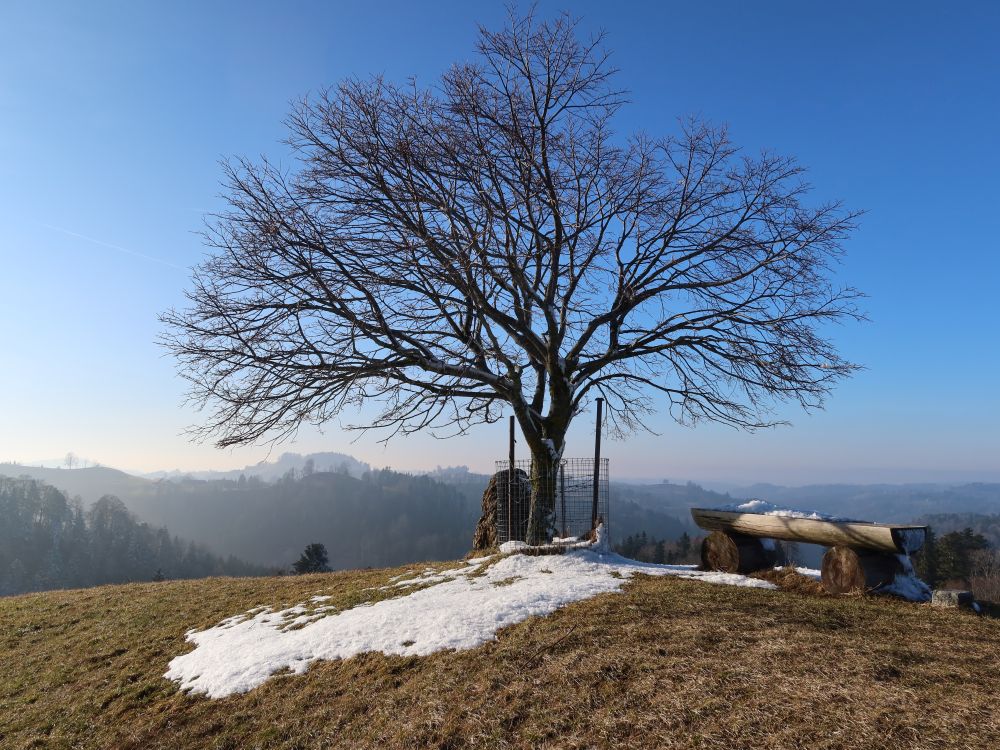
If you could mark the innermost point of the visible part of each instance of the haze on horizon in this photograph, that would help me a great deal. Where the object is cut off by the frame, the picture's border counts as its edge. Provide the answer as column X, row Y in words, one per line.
column 113, row 119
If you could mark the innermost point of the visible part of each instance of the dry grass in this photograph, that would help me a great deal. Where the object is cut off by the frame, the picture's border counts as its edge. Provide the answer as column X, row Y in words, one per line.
column 789, row 579
column 668, row 663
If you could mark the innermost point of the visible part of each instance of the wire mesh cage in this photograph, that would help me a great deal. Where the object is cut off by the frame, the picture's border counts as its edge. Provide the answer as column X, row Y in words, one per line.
column 565, row 492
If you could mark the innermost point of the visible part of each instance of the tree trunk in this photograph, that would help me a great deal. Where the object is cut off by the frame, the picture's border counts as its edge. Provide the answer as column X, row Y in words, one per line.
column 546, row 439
column 541, row 516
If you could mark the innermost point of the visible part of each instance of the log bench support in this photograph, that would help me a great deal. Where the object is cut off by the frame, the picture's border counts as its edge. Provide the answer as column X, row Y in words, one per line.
column 847, row 570
column 739, row 553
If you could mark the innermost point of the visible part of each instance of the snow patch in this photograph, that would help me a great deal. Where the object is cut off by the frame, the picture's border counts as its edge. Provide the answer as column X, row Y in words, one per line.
column 509, row 548
column 906, row 584
column 459, row 611
column 431, row 576
column 555, row 454
column 601, row 542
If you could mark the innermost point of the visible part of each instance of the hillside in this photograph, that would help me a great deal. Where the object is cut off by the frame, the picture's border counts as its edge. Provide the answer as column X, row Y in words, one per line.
column 89, row 484
column 666, row 662
column 384, row 518
column 48, row 541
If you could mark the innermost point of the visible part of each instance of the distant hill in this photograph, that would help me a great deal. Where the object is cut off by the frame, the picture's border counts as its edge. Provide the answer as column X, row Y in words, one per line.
column 48, row 541
column 629, row 518
column 890, row 503
column 267, row 513
column 271, row 470
column 981, row 523
column 89, row 484
column 385, row 518
column 668, row 497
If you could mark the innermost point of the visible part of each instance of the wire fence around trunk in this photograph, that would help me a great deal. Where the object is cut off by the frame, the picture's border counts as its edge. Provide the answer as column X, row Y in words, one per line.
column 565, row 492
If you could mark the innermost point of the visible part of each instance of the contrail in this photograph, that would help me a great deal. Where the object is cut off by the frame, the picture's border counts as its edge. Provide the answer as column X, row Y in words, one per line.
column 119, row 248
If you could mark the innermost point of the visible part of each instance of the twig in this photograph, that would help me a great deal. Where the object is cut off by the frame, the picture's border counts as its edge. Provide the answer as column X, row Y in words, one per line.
column 554, row 643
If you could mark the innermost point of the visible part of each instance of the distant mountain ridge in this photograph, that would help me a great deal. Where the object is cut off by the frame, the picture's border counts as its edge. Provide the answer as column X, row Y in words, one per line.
column 877, row 502
column 266, row 513
column 889, row 503
column 89, row 484
column 271, row 470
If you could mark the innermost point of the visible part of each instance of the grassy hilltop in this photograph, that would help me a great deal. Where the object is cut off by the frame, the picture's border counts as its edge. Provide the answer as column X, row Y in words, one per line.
column 667, row 663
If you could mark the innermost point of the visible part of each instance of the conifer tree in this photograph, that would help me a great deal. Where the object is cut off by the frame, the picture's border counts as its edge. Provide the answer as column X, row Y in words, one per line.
column 313, row 560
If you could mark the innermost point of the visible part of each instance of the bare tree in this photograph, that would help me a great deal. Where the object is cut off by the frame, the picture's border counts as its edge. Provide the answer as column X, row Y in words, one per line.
column 984, row 579
column 488, row 242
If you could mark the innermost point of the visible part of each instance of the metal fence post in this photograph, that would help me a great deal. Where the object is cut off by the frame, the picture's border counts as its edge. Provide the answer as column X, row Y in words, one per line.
column 510, row 479
column 562, row 495
column 597, row 463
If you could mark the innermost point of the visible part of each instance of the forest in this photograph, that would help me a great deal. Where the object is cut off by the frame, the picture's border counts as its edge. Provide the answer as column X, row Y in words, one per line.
column 383, row 519
column 683, row 550
column 48, row 541
column 963, row 558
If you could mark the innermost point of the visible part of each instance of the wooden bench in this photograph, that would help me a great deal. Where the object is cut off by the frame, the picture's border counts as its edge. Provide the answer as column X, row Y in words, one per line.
column 862, row 556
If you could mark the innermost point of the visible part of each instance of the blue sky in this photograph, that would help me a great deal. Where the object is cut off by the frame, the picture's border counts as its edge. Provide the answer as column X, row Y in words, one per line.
column 113, row 117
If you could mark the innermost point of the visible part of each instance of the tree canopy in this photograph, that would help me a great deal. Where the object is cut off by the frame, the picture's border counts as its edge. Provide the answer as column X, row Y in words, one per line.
column 492, row 242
